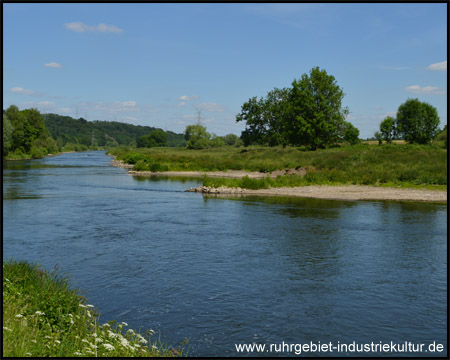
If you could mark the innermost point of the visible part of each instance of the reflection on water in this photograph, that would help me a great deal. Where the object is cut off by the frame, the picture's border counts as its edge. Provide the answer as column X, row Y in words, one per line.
column 222, row 271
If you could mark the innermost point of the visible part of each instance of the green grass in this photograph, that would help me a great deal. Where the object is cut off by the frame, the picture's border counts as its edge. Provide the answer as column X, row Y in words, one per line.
column 395, row 165
column 43, row 316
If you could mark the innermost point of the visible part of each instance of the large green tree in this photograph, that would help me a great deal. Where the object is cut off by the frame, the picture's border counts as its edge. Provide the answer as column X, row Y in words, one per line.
column 310, row 113
column 417, row 122
column 318, row 115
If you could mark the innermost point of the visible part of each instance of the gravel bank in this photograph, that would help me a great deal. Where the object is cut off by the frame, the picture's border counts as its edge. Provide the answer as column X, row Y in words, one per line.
column 348, row 192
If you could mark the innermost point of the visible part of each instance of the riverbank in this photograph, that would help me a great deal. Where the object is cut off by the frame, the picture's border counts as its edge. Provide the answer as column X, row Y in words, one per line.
column 331, row 192
column 347, row 192
column 44, row 317
column 48, row 155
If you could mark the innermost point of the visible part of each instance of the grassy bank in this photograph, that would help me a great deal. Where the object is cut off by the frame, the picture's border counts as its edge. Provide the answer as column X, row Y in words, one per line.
column 386, row 165
column 43, row 316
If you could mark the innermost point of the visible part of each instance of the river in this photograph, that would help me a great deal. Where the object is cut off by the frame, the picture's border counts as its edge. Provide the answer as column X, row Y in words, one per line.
column 226, row 271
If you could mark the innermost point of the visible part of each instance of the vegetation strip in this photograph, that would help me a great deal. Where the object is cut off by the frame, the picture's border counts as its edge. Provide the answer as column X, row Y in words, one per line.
column 43, row 316
column 394, row 165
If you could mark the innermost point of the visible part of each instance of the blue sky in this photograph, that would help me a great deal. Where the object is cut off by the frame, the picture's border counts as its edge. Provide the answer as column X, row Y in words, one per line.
column 157, row 64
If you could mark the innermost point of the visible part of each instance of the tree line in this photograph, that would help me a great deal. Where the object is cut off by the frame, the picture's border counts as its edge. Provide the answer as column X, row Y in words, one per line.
column 416, row 122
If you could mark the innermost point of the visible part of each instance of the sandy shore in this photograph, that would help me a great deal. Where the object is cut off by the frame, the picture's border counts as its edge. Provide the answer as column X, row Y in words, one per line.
column 347, row 192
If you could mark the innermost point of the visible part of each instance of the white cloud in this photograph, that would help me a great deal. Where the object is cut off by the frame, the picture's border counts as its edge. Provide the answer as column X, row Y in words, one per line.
column 442, row 66
column 211, row 107
column 81, row 27
column 112, row 107
column 416, row 89
column 182, row 103
column 19, row 90
column 53, row 65
column 188, row 98
column 47, row 103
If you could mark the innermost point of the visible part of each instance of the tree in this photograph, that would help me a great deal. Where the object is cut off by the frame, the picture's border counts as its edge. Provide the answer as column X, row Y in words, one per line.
column 316, row 110
column 266, row 118
column 417, row 122
column 231, row 139
column 378, row 137
column 7, row 135
column 310, row 113
column 387, row 129
column 350, row 133
column 197, row 137
column 156, row 138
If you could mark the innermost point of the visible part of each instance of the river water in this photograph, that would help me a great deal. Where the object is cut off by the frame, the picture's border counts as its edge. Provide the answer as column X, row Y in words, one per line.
column 226, row 271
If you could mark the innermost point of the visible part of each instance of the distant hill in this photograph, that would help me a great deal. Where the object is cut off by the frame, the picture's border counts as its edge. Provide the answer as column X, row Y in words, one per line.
column 66, row 129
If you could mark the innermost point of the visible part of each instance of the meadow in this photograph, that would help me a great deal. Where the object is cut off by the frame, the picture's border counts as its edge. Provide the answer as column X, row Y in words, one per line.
column 43, row 316
column 397, row 165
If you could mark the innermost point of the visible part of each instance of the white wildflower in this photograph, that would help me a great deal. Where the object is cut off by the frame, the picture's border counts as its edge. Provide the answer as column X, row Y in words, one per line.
column 151, row 331
column 29, row 354
column 154, row 347
column 89, row 306
column 93, row 346
column 111, row 334
column 83, row 306
column 124, row 342
column 40, row 313
column 34, row 341
column 85, row 341
column 77, row 353
column 6, row 328
column 47, row 337
column 130, row 331
column 94, row 334
column 58, row 342
column 19, row 316
column 98, row 340
column 70, row 315
column 124, row 324
column 89, row 352
column 108, row 347
column 71, row 321
column 88, row 313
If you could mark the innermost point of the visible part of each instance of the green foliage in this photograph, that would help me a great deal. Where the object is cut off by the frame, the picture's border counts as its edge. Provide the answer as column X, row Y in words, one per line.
column 106, row 133
column 44, row 317
column 232, row 140
column 417, row 122
column 156, row 138
column 25, row 133
column 387, row 129
column 419, row 165
column 266, row 119
column 308, row 114
column 351, row 133
column 441, row 139
column 197, row 137
column 8, row 130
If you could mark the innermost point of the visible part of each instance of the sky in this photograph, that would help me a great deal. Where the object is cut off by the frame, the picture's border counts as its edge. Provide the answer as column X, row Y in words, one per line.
column 164, row 65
